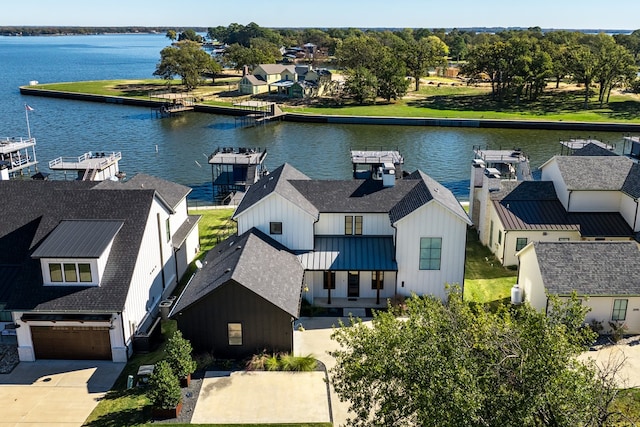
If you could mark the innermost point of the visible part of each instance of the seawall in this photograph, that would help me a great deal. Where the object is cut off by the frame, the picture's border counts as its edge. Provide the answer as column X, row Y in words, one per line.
column 366, row 120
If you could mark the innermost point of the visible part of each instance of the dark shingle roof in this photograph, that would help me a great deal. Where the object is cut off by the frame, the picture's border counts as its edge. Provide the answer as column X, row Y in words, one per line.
column 170, row 192
column 594, row 172
column 255, row 261
column 592, row 149
column 589, row 268
column 277, row 182
column 525, row 190
column 631, row 185
column 33, row 209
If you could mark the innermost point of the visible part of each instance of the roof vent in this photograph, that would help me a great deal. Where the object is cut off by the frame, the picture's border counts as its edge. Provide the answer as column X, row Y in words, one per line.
column 227, row 270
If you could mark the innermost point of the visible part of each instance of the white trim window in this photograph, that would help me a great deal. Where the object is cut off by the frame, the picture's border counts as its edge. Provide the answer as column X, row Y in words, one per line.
column 619, row 313
column 430, row 253
column 69, row 272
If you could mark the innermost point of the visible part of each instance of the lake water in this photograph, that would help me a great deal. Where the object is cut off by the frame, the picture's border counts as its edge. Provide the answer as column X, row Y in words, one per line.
column 70, row 128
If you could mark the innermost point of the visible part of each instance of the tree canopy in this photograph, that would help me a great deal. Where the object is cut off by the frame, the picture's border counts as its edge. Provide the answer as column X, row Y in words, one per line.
column 187, row 60
column 458, row 364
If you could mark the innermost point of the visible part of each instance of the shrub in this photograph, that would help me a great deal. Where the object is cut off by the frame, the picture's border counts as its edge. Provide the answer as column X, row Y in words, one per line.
column 289, row 362
column 179, row 355
column 272, row 363
column 164, row 387
column 257, row 362
column 203, row 360
column 618, row 330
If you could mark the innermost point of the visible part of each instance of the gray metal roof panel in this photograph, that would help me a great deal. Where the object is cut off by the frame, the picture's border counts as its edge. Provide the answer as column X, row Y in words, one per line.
column 184, row 230
column 78, row 239
column 343, row 253
column 589, row 268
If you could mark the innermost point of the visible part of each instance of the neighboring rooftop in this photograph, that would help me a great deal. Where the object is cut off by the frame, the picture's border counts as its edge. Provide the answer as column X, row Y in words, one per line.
column 589, row 268
column 255, row 261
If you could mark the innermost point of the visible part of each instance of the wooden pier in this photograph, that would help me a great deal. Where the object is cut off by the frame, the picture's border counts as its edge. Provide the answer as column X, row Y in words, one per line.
column 173, row 103
column 258, row 113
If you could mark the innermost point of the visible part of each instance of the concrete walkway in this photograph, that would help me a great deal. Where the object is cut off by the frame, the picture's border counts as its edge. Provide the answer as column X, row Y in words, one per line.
column 625, row 356
column 262, row 397
column 54, row 393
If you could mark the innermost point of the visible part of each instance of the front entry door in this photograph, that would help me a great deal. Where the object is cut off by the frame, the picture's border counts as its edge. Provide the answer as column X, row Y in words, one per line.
column 353, row 289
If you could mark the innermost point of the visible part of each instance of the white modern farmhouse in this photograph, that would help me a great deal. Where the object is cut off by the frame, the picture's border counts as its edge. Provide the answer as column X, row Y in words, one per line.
column 84, row 265
column 363, row 238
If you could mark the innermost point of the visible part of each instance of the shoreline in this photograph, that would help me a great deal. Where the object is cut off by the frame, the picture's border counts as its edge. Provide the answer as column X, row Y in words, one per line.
column 347, row 119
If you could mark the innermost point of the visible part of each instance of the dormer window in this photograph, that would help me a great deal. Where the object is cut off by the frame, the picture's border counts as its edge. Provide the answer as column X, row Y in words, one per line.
column 76, row 252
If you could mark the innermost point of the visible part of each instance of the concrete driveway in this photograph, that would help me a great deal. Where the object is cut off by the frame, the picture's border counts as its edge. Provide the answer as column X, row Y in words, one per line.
column 625, row 357
column 54, row 392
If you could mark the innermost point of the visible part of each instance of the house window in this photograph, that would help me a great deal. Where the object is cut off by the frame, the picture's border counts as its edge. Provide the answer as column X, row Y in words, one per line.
column 563, row 239
column 235, row 333
column 430, row 253
column 275, row 228
column 499, row 237
column 375, row 276
column 619, row 309
column 5, row 315
column 55, row 272
column 358, row 225
column 329, row 277
column 348, row 225
column 85, row 272
column 353, row 225
column 70, row 272
column 167, row 225
column 521, row 242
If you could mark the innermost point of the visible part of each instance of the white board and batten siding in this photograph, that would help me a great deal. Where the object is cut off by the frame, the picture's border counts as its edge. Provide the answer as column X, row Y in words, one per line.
column 630, row 211
column 430, row 220
column 146, row 289
column 313, row 280
column 551, row 172
column 297, row 225
column 373, row 224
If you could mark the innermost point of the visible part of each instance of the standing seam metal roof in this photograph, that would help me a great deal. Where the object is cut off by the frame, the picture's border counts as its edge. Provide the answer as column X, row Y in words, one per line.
column 78, row 239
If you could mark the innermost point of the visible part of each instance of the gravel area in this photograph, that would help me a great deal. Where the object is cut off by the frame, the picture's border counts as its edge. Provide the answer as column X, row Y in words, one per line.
column 8, row 358
column 189, row 400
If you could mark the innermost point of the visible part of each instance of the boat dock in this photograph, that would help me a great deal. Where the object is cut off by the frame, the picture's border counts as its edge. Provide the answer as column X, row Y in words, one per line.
column 373, row 160
column 91, row 166
column 510, row 164
column 234, row 170
column 174, row 103
column 16, row 155
column 258, row 113
column 571, row 145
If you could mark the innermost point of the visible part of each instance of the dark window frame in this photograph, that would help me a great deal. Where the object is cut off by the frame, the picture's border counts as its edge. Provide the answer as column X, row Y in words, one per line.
column 519, row 245
column 619, row 313
column 430, row 255
column 275, row 227
column 325, row 275
column 374, row 278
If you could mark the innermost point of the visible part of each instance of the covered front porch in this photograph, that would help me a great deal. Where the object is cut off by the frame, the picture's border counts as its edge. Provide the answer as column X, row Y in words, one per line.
column 345, row 271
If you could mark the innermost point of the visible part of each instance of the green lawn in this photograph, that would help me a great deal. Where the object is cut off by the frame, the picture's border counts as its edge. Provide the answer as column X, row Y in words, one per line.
column 486, row 280
column 455, row 101
column 215, row 226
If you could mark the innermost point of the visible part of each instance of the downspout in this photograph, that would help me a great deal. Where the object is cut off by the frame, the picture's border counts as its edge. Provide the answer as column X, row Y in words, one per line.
column 161, row 255
column 635, row 218
column 395, row 256
column 504, row 246
column 569, row 201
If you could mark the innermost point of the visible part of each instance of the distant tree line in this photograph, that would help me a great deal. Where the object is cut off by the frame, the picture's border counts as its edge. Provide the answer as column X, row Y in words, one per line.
column 55, row 31
column 517, row 63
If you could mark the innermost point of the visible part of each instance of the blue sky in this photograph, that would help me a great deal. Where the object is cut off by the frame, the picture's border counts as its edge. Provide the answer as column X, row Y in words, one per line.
column 568, row 14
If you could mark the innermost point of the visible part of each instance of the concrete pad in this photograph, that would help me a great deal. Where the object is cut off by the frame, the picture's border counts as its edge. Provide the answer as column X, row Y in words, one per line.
column 258, row 397
column 626, row 356
column 54, row 392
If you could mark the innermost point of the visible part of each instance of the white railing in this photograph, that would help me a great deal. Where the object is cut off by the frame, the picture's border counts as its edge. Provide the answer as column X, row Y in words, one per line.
column 80, row 161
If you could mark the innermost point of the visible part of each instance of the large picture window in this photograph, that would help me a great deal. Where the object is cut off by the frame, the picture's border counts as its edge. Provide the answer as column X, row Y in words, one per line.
column 430, row 253
column 619, row 309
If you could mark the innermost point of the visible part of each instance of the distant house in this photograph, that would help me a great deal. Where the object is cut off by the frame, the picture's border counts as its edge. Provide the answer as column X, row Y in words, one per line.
column 294, row 81
column 244, row 299
column 86, row 264
column 604, row 275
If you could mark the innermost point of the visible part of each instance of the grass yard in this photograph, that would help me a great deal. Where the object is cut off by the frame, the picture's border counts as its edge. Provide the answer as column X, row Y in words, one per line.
column 444, row 98
column 486, row 280
column 215, row 226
